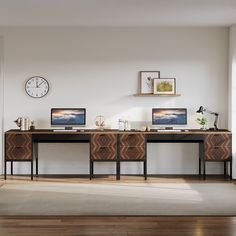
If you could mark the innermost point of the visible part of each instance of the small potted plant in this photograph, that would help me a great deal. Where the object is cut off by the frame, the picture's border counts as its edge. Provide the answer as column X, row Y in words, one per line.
column 202, row 121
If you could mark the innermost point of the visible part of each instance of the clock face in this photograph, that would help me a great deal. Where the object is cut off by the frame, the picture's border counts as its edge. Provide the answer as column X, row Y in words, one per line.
column 36, row 87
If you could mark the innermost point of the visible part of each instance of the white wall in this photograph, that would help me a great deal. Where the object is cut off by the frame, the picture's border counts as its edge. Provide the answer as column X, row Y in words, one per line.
column 1, row 101
column 232, row 91
column 97, row 68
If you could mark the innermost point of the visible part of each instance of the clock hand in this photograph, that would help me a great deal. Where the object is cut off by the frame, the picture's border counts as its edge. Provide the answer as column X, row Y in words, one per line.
column 39, row 84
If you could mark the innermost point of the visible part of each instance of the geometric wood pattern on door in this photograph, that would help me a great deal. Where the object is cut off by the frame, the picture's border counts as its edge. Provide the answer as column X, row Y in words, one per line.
column 103, row 140
column 103, row 153
column 217, row 147
column 18, row 147
column 219, row 140
column 132, row 140
column 103, row 147
column 217, row 153
column 132, row 153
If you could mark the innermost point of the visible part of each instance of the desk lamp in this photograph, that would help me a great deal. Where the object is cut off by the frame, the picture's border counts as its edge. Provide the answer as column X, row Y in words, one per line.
column 203, row 109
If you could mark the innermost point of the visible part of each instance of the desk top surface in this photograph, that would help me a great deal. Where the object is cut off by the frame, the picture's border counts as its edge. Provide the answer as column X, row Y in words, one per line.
column 114, row 131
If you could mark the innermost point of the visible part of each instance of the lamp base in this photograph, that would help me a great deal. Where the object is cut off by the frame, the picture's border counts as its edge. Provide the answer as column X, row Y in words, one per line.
column 211, row 129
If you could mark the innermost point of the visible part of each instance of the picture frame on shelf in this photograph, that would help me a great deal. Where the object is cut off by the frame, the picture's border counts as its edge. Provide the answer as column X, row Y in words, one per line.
column 164, row 86
column 146, row 81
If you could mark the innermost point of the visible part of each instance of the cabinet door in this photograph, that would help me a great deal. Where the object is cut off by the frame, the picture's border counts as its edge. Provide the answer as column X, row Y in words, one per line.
column 18, row 147
column 103, row 153
column 132, row 140
column 217, row 153
column 103, row 147
column 103, row 140
column 218, row 147
column 132, row 153
column 219, row 140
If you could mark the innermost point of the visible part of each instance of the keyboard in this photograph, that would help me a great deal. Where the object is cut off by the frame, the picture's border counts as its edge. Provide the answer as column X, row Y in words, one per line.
column 169, row 130
column 65, row 130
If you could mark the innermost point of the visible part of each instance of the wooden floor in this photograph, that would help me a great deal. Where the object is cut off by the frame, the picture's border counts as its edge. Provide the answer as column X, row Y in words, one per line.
column 117, row 225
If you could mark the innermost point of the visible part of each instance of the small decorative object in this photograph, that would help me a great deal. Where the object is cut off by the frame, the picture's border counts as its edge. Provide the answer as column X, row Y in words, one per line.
column 100, row 122
column 202, row 121
column 32, row 127
column 23, row 123
column 127, row 125
column 164, row 86
column 36, row 87
column 147, row 78
column 121, row 124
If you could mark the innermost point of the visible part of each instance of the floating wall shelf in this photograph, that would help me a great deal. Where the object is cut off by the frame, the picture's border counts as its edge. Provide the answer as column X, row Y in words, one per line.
column 155, row 95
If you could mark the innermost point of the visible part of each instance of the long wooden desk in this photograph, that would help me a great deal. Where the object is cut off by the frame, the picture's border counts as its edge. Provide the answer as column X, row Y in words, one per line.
column 114, row 145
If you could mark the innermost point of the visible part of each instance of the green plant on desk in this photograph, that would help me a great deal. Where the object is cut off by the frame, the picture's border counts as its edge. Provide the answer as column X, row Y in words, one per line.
column 202, row 121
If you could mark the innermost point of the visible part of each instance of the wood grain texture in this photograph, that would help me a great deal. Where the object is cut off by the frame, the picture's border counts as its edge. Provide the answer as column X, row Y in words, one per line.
column 103, row 147
column 18, row 146
column 117, row 226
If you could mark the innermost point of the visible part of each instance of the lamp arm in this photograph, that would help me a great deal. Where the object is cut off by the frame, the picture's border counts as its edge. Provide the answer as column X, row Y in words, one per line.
column 216, row 120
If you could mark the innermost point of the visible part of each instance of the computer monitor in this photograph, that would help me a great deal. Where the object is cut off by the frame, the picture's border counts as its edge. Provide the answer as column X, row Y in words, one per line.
column 169, row 116
column 68, row 117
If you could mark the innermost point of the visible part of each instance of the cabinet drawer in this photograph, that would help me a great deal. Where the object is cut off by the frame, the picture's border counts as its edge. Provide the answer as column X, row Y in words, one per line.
column 103, row 153
column 103, row 140
column 132, row 153
column 18, row 140
column 217, row 153
column 18, row 153
column 132, row 140
column 212, row 140
column 18, row 147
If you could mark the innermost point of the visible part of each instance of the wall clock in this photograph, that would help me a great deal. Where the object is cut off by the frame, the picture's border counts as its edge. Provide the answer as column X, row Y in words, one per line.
column 36, row 87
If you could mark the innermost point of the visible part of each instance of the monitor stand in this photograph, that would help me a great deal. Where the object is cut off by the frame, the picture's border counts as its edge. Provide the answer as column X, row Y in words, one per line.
column 168, row 128
column 68, row 128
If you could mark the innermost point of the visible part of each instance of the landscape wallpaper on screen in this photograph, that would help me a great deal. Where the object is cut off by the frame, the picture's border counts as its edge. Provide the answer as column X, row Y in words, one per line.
column 68, row 116
column 169, row 116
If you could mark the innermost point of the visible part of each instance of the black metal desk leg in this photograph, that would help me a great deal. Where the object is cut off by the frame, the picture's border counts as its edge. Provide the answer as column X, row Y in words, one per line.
column 5, row 169
column 204, row 169
column 225, row 171
column 32, row 169
column 11, row 167
column 231, row 168
column 117, row 170
column 145, row 169
column 200, row 167
column 91, row 170
column 37, row 164
column 36, row 151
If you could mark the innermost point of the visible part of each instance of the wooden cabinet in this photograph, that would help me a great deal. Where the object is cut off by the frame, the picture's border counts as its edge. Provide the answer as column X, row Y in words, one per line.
column 217, row 147
column 103, row 147
column 18, row 147
column 132, row 147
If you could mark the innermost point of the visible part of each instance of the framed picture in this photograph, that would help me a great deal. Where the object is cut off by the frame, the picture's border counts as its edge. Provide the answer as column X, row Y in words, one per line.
column 164, row 86
column 147, row 78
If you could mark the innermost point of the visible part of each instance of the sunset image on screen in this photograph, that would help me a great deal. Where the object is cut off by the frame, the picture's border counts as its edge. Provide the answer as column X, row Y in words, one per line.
column 68, row 116
column 169, row 116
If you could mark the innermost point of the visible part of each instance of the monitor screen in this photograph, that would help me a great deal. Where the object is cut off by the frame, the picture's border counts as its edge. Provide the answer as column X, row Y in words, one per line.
column 68, row 116
column 169, row 116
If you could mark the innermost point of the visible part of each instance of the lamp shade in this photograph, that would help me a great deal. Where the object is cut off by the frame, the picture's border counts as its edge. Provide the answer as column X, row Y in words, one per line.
column 200, row 110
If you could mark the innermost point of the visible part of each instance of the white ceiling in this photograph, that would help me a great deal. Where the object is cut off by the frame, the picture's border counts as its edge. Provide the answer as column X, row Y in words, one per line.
column 117, row 12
